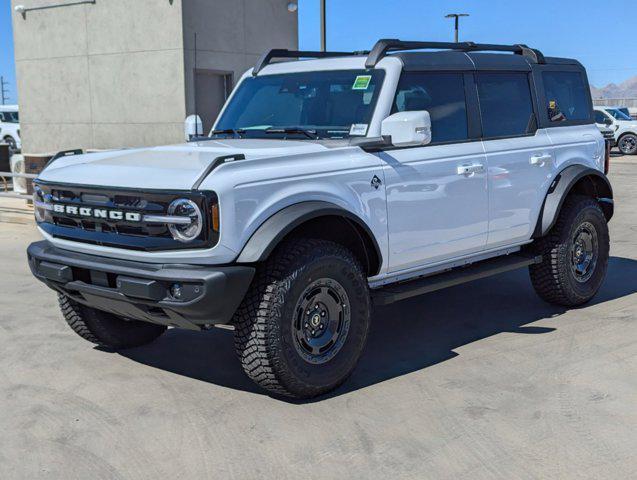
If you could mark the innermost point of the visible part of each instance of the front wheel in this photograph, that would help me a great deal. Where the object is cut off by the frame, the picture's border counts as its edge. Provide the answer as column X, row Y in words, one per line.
column 574, row 254
column 303, row 324
column 106, row 329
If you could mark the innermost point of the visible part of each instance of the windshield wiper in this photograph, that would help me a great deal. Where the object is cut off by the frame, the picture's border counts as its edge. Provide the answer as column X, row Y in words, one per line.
column 282, row 130
column 229, row 131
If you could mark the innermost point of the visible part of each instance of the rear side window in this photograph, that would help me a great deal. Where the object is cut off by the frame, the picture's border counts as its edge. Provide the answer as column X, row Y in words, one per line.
column 505, row 104
column 442, row 95
column 567, row 96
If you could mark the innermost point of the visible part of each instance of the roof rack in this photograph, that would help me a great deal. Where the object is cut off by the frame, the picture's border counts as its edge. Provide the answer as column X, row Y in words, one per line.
column 267, row 57
column 383, row 47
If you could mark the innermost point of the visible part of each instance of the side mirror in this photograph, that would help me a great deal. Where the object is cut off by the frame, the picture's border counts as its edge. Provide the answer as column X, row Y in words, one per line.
column 608, row 121
column 408, row 129
column 193, row 127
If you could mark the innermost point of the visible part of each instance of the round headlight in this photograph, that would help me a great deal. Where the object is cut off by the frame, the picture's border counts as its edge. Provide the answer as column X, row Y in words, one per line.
column 186, row 232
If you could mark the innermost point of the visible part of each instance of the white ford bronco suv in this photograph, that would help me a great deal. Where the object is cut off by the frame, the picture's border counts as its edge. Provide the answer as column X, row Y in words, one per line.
column 623, row 126
column 333, row 182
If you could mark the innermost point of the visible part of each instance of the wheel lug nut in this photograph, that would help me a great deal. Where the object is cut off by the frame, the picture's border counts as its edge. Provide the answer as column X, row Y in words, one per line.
column 321, row 327
column 323, row 313
column 306, row 325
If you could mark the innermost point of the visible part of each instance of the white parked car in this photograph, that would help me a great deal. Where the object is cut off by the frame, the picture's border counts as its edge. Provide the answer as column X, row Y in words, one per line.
column 10, row 127
column 623, row 126
column 326, row 187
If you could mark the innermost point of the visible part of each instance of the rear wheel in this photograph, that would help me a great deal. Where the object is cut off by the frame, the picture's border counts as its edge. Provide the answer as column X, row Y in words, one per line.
column 627, row 144
column 303, row 324
column 574, row 254
column 106, row 329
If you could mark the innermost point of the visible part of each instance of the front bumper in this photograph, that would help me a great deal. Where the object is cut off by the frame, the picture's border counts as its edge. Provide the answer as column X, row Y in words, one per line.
column 143, row 291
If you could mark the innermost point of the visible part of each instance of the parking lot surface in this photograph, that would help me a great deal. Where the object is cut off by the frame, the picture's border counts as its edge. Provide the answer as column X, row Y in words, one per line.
column 483, row 380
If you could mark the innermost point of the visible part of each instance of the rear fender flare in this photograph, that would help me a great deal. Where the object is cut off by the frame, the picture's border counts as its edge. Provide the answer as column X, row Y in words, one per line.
column 562, row 186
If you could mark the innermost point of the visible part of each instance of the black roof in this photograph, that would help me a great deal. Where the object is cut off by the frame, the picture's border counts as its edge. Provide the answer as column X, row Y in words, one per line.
column 447, row 56
column 458, row 60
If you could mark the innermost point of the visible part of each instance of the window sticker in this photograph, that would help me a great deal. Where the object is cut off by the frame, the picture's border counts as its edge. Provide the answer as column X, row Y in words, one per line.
column 358, row 129
column 362, row 82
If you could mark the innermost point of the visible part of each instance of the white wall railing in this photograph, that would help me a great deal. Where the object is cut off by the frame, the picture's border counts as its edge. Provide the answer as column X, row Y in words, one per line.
column 4, row 183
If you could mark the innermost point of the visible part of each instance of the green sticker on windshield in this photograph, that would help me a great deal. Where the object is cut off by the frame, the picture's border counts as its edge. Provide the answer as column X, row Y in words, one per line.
column 362, row 82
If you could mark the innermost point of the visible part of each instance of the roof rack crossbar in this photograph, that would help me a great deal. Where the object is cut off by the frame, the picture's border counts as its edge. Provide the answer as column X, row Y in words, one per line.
column 383, row 47
column 267, row 57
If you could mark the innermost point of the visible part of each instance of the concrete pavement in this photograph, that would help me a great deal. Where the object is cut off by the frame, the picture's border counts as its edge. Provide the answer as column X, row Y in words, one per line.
column 479, row 381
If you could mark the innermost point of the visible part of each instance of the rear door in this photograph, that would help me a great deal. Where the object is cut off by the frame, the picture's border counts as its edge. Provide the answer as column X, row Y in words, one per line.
column 519, row 155
column 437, row 200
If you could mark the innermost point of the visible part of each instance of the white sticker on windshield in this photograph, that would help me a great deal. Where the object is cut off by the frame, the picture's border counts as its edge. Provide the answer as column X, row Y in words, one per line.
column 358, row 129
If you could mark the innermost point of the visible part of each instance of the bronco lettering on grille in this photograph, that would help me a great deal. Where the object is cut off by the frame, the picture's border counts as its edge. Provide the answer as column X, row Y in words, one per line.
column 98, row 213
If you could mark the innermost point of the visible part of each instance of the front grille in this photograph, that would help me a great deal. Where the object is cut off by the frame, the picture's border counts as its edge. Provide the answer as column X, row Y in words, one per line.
column 120, row 233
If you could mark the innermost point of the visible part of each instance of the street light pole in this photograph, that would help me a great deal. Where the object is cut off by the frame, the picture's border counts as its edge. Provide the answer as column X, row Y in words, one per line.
column 456, row 17
column 323, row 27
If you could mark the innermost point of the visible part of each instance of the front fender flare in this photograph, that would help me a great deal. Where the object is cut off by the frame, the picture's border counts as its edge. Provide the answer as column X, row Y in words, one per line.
column 265, row 239
column 562, row 186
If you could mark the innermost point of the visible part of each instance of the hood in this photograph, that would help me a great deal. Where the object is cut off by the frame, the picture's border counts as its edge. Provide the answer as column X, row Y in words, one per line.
column 175, row 167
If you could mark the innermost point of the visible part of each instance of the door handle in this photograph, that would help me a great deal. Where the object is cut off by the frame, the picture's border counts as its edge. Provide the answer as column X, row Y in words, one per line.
column 468, row 170
column 540, row 160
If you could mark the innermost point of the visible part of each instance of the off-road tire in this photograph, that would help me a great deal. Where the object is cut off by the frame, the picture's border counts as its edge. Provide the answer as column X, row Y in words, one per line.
column 265, row 326
column 106, row 329
column 627, row 144
column 554, row 279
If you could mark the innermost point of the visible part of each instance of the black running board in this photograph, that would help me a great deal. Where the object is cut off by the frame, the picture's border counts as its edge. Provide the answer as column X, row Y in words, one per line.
column 456, row 276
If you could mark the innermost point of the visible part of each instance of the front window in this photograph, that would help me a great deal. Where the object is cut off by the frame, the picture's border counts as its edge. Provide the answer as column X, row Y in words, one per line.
column 329, row 104
column 618, row 114
column 443, row 96
column 602, row 118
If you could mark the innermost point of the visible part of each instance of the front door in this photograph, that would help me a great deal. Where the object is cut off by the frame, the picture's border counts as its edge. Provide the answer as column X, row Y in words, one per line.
column 437, row 199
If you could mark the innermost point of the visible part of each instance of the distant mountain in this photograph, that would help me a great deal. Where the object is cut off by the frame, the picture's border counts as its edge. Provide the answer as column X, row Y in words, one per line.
column 627, row 89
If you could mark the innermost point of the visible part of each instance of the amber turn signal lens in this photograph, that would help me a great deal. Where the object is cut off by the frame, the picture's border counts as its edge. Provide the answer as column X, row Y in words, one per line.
column 215, row 217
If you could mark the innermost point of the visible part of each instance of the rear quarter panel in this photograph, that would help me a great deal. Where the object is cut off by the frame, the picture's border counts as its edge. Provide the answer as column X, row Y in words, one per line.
column 577, row 145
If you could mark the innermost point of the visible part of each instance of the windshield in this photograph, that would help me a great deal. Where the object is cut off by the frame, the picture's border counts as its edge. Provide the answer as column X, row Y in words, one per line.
column 330, row 104
column 9, row 117
column 618, row 114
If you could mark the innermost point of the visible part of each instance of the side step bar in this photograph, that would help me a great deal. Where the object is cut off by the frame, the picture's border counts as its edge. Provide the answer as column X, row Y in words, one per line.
column 487, row 268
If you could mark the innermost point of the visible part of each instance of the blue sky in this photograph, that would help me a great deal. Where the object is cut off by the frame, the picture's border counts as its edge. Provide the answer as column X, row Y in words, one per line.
column 595, row 32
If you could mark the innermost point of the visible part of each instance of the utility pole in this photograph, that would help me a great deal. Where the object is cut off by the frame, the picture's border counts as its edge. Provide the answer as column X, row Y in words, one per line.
column 323, row 27
column 5, row 91
column 456, row 16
